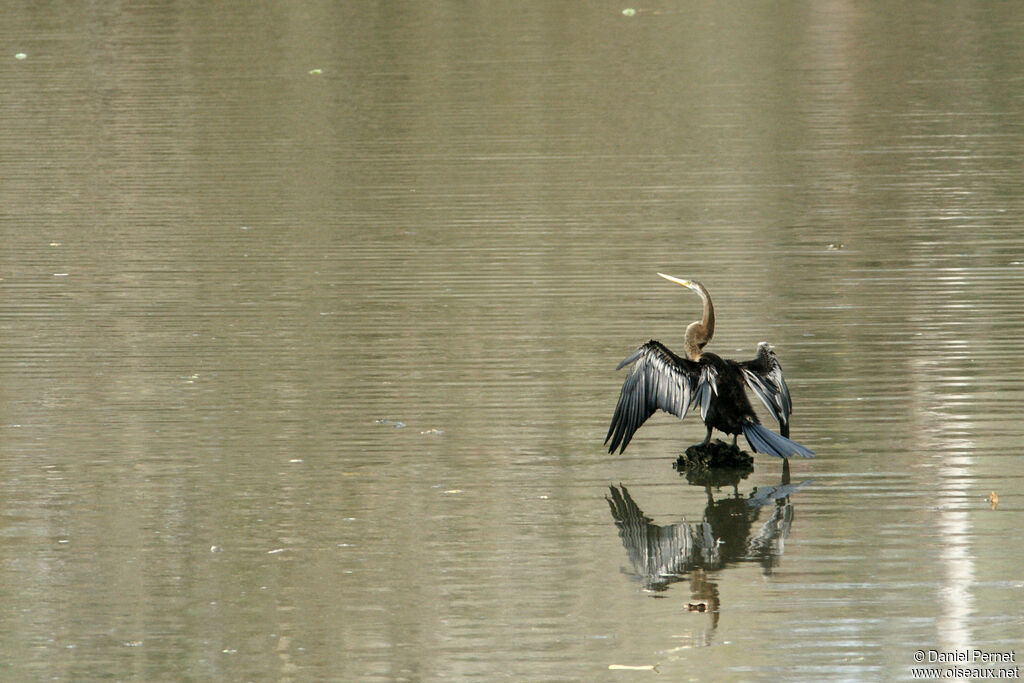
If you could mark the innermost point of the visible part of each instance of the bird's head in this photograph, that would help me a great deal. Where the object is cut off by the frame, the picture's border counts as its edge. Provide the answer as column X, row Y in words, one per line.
column 698, row 333
column 690, row 284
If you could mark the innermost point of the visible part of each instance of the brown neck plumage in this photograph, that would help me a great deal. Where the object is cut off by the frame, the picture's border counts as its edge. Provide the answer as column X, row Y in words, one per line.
column 699, row 333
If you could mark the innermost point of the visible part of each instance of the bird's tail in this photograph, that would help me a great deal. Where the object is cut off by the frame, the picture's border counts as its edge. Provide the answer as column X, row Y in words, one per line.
column 764, row 440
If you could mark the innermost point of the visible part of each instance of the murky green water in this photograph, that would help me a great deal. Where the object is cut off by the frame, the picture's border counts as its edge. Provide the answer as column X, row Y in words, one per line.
column 309, row 318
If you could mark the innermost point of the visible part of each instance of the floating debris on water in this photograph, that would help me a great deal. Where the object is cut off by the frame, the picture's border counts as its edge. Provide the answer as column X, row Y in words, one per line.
column 701, row 606
column 630, row 667
column 315, row 72
column 993, row 499
column 629, row 12
column 432, row 431
column 20, row 56
column 397, row 424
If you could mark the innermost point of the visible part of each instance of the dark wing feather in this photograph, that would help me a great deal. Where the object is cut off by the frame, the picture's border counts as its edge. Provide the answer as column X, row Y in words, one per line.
column 658, row 379
column 763, row 374
column 707, row 387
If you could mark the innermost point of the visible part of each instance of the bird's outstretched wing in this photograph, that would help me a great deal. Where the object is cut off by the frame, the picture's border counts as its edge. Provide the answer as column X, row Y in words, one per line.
column 657, row 379
column 763, row 374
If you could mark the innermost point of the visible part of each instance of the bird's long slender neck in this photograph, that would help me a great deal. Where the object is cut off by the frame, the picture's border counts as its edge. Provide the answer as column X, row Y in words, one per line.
column 699, row 332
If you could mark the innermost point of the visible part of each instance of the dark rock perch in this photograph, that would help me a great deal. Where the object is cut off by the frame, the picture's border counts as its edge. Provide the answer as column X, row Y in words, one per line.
column 717, row 463
column 717, row 454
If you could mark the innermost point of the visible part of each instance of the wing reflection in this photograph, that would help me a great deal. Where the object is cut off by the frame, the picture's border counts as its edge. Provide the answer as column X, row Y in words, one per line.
column 728, row 534
column 662, row 555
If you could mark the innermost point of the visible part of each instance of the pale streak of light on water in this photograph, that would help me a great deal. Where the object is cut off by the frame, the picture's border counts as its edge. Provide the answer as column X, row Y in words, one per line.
column 309, row 318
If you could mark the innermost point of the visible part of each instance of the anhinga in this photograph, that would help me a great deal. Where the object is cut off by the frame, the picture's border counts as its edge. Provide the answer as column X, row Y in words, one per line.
column 659, row 378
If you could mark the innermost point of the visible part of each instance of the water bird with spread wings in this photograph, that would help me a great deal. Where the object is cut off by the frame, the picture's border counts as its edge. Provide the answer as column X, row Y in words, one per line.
column 659, row 379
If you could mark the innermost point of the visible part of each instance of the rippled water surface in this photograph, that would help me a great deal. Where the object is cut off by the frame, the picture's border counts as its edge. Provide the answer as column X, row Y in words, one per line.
column 309, row 318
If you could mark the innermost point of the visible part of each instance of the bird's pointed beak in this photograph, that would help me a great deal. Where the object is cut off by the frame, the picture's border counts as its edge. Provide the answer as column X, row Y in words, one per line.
column 684, row 283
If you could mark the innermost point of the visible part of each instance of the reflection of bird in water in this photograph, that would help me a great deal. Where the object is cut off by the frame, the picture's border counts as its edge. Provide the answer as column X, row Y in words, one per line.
column 661, row 553
column 767, row 545
column 660, row 379
column 664, row 554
